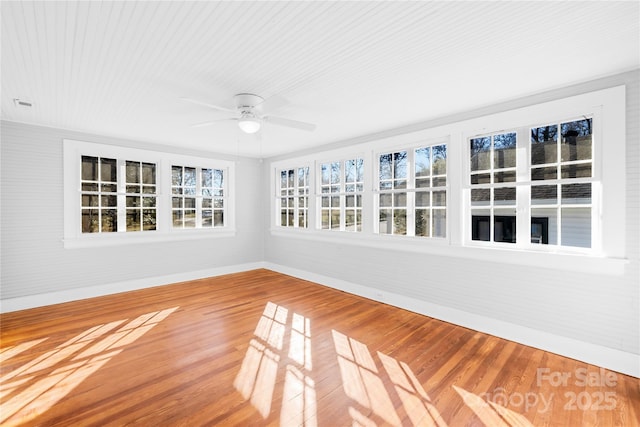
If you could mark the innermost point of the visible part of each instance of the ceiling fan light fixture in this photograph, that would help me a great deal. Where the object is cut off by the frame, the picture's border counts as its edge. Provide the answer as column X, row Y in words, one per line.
column 249, row 123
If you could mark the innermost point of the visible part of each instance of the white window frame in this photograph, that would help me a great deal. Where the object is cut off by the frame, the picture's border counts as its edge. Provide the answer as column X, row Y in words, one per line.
column 410, row 189
column 341, row 194
column 73, row 150
column 297, row 209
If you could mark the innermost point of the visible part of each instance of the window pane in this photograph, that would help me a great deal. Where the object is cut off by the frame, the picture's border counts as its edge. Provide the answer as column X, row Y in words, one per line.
column 504, row 176
column 539, row 174
column 439, row 198
column 576, row 193
column 189, row 177
column 504, row 226
column 176, row 175
column 386, row 221
column 89, row 200
column 207, row 177
column 90, row 221
column 335, row 173
column 504, row 151
column 89, row 168
column 218, row 218
column 423, row 222
column 385, row 200
column 109, row 201
column 400, row 199
column 359, row 170
column 423, row 199
column 325, row 219
column 439, row 159
column 335, row 218
column 350, row 220
column 581, row 170
column 576, row 140
column 440, row 181
column 132, row 201
column 439, row 223
column 480, row 196
column 109, row 220
column 148, row 173
column 291, row 180
column 504, row 196
column 544, row 223
column 108, row 170
column 400, row 221
column 283, row 179
column 302, row 177
column 544, row 145
column 132, row 171
column 400, row 165
column 544, row 195
column 480, row 225
column 480, row 149
column 325, row 172
column 423, row 162
column 177, row 219
column 189, row 218
column 385, row 166
column 207, row 218
column 576, row 227
column 481, row 178
column 133, row 220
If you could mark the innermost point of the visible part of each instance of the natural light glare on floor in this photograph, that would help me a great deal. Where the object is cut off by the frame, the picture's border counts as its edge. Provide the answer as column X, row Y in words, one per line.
column 363, row 382
column 260, row 368
column 31, row 390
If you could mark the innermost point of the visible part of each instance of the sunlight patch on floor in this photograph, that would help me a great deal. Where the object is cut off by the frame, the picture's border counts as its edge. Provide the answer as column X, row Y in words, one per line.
column 37, row 385
column 261, row 367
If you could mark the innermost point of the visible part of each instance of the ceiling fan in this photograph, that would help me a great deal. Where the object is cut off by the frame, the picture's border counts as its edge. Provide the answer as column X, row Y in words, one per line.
column 251, row 111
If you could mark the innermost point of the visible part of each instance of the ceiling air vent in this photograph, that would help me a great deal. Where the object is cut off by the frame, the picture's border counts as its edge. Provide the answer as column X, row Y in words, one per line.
column 20, row 103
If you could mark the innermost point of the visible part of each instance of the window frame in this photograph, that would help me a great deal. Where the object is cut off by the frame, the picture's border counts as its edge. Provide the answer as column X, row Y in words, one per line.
column 341, row 194
column 410, row 190
column 295, row 195
column 73, row 150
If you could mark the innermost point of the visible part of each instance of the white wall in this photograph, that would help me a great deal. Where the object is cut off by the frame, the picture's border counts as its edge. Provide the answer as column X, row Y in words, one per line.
column 568, row 312
column 33, row 260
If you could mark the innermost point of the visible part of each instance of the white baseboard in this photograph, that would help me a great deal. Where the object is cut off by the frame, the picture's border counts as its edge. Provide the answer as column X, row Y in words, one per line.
column 31, row 301
column 609, row 358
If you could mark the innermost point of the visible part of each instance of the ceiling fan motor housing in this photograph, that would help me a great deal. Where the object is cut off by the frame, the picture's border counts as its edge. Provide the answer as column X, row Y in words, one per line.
column 248, row 102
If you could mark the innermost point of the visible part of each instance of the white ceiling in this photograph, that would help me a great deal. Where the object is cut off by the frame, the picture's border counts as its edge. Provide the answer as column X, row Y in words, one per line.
column 352, row 68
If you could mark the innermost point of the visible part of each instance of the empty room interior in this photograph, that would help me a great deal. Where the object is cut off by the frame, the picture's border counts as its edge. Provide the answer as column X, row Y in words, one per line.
column 325, row 213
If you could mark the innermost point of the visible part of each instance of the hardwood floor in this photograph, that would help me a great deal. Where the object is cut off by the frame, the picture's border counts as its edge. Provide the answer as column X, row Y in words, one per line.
column 261, row 348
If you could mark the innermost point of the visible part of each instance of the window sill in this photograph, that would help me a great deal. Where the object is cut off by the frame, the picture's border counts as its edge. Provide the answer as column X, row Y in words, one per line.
column 121, row 239
column 564, row 261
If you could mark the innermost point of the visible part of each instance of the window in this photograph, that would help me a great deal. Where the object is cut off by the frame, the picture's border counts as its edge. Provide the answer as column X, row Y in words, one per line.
column 493, row 192
column 549, row 195
column 412, row 197
column 112, row 192
column 561, row 175
column 293, row 197
column 102, row 192
column 197, row 197
column 341, row 186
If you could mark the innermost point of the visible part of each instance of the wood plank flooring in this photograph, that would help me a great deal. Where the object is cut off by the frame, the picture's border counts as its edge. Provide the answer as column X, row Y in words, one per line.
column 261, row 348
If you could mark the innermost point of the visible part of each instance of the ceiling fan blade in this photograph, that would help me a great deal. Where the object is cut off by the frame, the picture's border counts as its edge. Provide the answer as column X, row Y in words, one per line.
column 210, row 122
column 206, row 104
column 280, row 121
